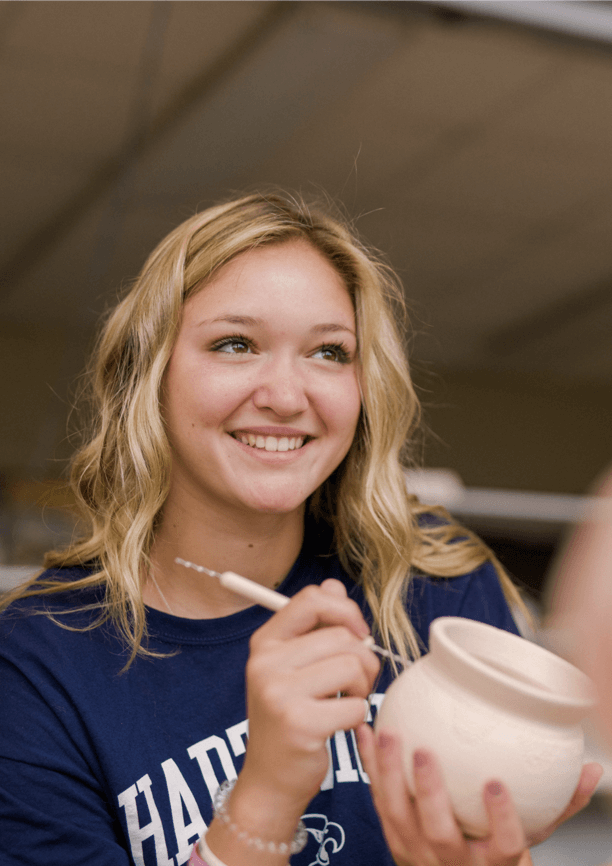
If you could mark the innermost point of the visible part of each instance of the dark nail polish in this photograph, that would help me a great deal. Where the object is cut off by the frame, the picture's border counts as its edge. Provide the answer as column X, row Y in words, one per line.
column 494, row 788
column 385, row 741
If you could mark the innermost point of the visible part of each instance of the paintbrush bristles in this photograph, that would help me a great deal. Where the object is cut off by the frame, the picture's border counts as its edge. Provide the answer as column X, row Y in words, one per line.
column 199, row 568
column 242, row 586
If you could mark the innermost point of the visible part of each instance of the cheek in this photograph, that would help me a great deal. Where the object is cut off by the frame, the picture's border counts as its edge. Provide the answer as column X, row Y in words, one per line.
column 202, row 397
column 344, row 407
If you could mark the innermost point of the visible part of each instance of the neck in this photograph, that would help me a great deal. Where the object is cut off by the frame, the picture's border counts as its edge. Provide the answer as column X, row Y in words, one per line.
column 262, row 547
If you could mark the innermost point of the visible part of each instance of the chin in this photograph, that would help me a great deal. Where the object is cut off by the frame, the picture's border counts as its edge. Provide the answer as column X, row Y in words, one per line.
column 276, row 504
column 278, row 507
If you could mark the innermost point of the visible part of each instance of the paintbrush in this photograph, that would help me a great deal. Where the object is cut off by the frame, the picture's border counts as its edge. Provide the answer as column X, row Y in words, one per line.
column 268, row 598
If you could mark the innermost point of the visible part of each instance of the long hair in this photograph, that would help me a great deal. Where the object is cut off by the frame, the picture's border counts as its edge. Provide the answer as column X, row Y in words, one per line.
column 120, row 475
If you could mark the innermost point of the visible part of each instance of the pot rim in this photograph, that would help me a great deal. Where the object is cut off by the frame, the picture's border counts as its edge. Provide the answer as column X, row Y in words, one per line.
column 440, row 632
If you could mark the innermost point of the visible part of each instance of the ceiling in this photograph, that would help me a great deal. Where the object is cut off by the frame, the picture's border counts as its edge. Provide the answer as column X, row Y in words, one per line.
column 475, row 152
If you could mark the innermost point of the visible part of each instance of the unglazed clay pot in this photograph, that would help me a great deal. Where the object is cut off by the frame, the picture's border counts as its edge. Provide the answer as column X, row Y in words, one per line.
column 492, row 705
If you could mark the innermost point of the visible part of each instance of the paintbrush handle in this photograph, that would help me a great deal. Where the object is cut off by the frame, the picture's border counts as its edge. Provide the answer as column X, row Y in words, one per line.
column 266, row 597
column 253, row 591
column 275, row 601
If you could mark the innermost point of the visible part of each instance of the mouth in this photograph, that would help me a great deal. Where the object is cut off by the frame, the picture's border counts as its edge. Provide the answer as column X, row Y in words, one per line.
column 271, row 443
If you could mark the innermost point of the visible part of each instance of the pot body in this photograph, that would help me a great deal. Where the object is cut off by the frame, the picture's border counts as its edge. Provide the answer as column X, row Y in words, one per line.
column 491, row 705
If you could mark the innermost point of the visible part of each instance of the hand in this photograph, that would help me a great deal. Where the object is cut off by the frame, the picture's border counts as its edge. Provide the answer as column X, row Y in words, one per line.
column 422, row 830
column 295, row 671
column 579, row 598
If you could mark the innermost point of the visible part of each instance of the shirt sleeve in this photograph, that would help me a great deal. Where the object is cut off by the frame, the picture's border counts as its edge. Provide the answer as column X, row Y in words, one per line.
column 53, row 808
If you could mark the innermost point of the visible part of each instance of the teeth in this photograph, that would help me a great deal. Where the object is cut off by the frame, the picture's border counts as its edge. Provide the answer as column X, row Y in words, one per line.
column 271, row 443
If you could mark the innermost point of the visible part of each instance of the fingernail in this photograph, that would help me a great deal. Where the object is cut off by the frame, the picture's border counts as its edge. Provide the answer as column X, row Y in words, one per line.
column 420, row 758
column 494, row 789
column 385, row 741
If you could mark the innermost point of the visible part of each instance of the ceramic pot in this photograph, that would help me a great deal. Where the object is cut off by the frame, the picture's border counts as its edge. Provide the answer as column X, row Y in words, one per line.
column 492, row 705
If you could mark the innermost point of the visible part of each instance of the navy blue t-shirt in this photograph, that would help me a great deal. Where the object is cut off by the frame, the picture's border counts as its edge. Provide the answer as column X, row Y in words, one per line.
column 103, row 768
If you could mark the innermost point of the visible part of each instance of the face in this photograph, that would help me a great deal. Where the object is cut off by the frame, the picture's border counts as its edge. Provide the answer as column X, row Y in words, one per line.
column 261, row 394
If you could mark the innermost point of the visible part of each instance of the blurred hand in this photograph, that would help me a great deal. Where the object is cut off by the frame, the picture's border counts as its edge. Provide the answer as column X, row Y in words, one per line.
column 580, row 600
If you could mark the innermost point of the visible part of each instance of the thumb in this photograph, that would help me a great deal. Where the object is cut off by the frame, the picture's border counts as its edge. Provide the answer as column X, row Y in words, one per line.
column 334, row 587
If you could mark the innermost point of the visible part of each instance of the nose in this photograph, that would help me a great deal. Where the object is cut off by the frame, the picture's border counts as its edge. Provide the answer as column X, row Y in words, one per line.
column 281, row 389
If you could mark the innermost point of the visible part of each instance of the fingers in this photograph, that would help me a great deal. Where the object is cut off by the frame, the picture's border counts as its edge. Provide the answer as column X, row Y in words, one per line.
column 334, row 587
column 423, row 829
column 342, row 714
column 294, row 671
column 320, row 664
column 382, row 759
column 326, row 642
column 433, row 805
column 315, row 606
column 506, row 841
column 307, row 695
column 589, row 779
column 420, row 829
column 321, row 661
column 346, row 674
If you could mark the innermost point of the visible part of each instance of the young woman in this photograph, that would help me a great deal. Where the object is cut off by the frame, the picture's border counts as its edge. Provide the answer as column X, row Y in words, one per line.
column 252, row 412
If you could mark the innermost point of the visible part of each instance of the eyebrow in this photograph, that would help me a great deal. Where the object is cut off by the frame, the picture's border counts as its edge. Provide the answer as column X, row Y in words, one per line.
column 232, row 320
column 250, row 321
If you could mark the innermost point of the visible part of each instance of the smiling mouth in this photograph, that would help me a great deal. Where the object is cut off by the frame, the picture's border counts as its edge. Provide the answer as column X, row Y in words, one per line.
column 271, row 443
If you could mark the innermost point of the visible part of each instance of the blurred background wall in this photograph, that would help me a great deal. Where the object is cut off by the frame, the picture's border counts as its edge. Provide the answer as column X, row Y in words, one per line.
column 470, row 143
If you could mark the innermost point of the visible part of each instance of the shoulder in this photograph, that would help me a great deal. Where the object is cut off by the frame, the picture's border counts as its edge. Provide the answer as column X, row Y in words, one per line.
column 54, row 647
column 35, row 609
column 68, row 589
column 475, row 595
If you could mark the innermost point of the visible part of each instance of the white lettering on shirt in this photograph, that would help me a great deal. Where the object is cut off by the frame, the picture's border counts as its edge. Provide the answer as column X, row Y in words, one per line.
column 182, row 799
column 138, row 833
column 186, row 815
column 200, row 752
column 237, row 736
column 346, row 772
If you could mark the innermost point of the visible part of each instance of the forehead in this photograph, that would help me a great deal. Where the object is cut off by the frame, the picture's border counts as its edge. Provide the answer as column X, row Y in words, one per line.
column 276, row 274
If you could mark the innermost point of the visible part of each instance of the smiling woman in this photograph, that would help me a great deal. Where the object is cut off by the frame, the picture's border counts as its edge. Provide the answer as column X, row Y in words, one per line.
column 253, row 412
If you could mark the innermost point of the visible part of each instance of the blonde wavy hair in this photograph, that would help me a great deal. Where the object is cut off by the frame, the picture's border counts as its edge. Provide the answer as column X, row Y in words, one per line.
column 120, row 475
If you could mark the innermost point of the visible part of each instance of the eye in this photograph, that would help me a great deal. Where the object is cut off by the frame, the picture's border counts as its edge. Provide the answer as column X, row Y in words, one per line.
column 234, row 345
column 333, row 352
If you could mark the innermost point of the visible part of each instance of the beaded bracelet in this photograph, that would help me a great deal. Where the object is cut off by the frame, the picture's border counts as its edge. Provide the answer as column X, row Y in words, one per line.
column 297, row 844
